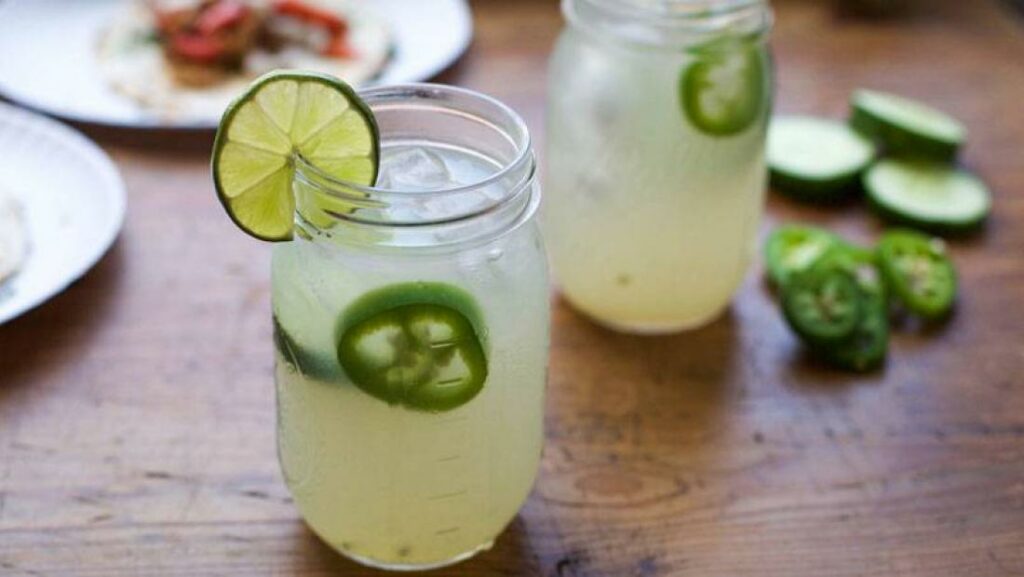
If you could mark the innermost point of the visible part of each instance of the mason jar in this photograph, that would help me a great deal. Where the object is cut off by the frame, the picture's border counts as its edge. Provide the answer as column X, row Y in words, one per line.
column 655, row 157
column 411, row 324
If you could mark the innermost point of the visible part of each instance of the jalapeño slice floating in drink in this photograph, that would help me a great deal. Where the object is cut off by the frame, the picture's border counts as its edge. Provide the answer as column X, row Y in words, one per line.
column 416, row 345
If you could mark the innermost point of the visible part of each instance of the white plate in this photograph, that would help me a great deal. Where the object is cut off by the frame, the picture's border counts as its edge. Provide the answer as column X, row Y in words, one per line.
column 73, row 199
column 48, row 47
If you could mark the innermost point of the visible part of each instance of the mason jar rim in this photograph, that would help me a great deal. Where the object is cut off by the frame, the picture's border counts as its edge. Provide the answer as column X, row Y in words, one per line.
column 404, row 92
column 669, row 22
column 432, row 116
column 677, row 9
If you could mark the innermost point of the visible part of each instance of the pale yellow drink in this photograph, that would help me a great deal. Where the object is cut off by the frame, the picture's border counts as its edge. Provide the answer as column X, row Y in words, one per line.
column 388, row 484
column 650, row 219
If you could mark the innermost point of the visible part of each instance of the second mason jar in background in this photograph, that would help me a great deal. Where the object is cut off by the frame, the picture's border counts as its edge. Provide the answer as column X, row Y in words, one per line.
column 655, row 165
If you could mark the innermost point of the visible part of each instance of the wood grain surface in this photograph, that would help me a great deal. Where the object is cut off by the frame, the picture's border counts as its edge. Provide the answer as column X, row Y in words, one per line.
column 137, row 415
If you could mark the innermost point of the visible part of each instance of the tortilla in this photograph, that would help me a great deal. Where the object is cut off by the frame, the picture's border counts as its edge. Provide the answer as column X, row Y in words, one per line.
column 133, row 63
column 13, row 237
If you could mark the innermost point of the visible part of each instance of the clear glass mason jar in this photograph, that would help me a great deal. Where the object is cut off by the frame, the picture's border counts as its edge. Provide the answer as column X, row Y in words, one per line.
column 655, row 157
column 411, row 328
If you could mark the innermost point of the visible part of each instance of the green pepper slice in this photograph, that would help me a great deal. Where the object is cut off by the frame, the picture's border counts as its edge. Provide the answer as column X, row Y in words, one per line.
column 823, row 306
column 861, row 262
column 867, row 346
column 724, row 90
column 918, row 272
column 414, row 345
column 794, row 248
column 304, row 361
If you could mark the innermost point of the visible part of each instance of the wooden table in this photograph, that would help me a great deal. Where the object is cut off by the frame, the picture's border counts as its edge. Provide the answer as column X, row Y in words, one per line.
column 137, row 412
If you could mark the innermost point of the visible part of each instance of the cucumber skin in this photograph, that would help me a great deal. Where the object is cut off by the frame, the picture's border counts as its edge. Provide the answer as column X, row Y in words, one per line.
column 898, row 141
column 941, row 228
column 816, row 191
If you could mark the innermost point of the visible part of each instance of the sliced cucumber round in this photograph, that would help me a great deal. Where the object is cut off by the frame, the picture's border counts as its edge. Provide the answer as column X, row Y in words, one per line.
column 816, row 159
column 905, row 127
column 927, row 195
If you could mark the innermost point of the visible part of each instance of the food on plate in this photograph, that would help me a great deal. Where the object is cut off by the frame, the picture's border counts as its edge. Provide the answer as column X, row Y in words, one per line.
column 186, row 59
column 13, row 237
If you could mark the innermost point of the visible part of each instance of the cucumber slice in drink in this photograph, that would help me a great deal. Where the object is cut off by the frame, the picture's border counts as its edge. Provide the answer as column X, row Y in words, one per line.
column 816, row 159
column 905, row 127
column 281, row 116
column 725, row 90
column 927, row 195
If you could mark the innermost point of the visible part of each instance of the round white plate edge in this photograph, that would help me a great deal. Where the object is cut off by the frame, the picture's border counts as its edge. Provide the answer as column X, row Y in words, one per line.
column 466, row 28
column 104, row 167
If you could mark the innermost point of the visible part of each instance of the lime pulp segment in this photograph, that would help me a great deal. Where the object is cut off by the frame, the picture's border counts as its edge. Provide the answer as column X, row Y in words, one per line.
column 281, row 116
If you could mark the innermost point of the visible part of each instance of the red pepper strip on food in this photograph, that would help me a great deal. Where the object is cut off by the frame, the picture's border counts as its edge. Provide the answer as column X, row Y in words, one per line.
column 339, row 47
column 197, row 48
column 220, row 16
column 311, row 14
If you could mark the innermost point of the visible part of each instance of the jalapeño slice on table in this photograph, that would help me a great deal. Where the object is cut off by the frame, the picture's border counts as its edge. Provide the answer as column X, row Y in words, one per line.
column 861, row 262
column 918, row 272
column 823, row 305
column 867, row 347
column 927, row 195
column 793, row 248
column 724, row 91
column 417, row 345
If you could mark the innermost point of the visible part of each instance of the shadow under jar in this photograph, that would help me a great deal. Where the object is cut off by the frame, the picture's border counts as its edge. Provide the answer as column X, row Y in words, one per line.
column 655, row 159
column 411, row 326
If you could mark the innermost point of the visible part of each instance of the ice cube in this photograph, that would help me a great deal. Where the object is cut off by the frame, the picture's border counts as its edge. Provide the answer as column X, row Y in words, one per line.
column 414, row 169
